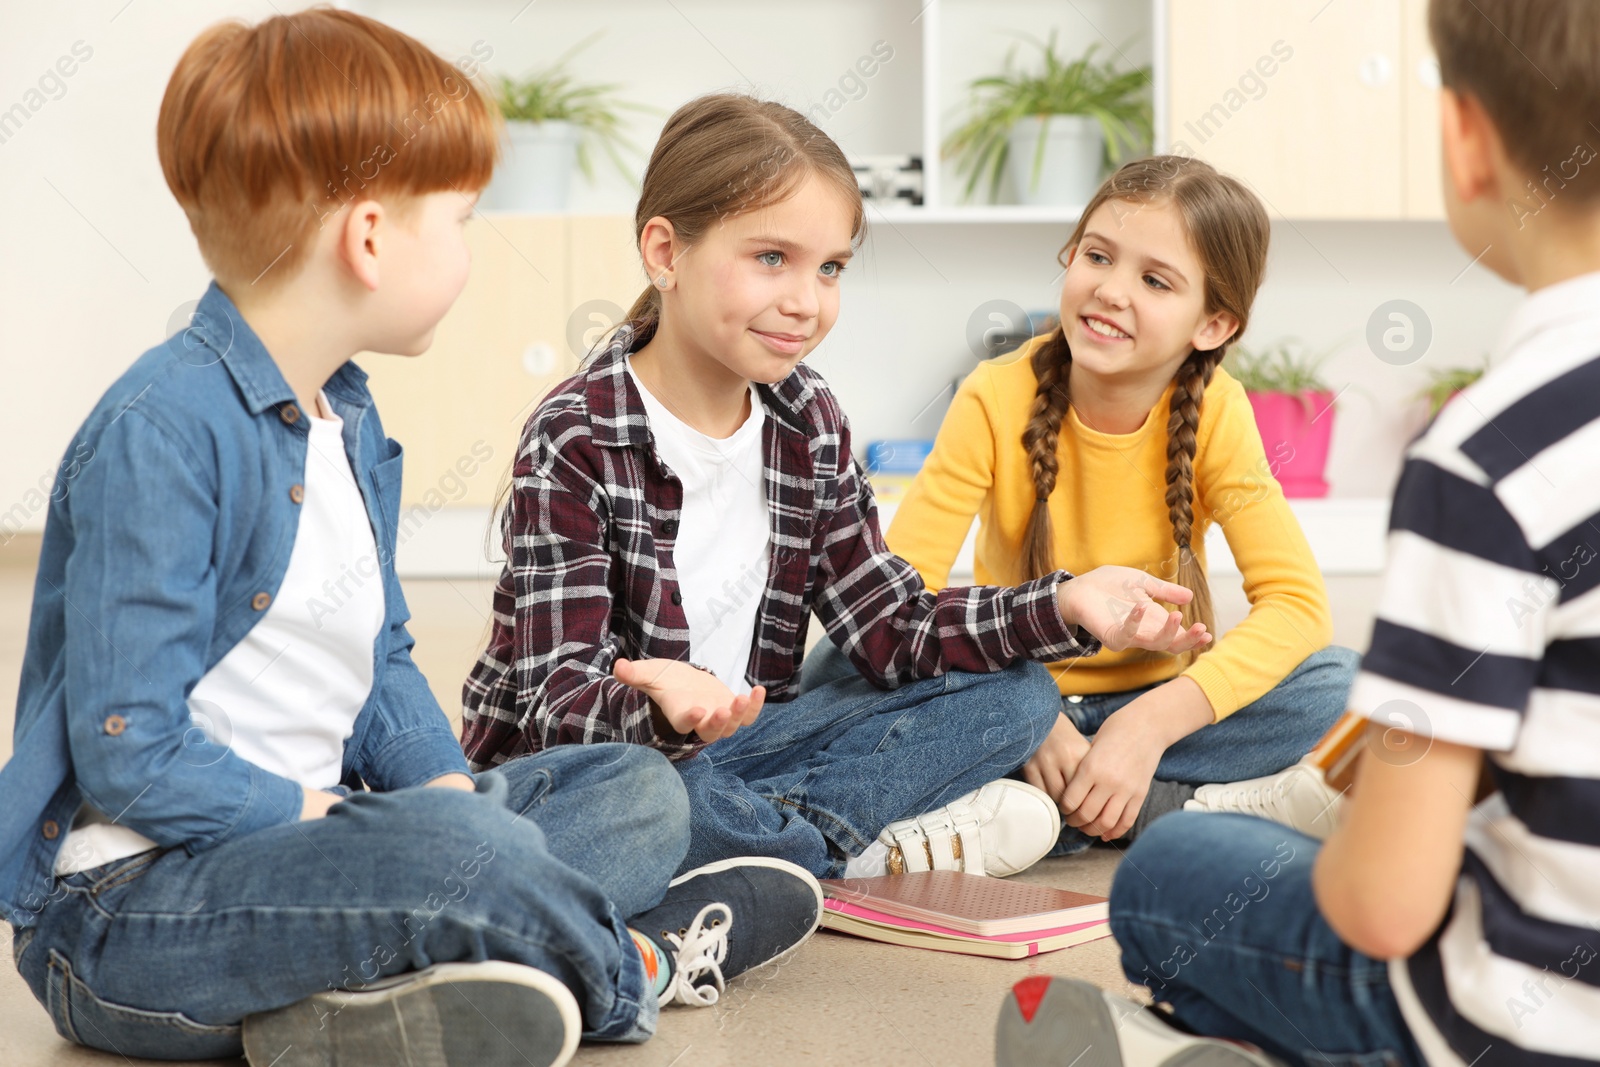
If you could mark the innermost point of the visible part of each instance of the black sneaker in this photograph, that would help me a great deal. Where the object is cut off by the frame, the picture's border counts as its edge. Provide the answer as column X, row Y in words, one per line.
column 725, row 918
column 435, row 1015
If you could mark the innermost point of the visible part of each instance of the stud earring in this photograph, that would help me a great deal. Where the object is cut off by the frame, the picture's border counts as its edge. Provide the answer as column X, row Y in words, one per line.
column 662, row 281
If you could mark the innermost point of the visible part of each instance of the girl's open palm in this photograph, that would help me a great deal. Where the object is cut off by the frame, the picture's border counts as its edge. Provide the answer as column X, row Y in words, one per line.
column 691, row 700
column 1118, row 605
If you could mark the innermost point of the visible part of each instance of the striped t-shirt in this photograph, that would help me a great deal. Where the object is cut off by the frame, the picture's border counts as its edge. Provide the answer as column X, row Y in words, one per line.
column 1488, row 635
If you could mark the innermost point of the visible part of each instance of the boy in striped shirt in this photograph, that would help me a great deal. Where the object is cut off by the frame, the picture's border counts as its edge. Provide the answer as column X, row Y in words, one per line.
column 1427, row 929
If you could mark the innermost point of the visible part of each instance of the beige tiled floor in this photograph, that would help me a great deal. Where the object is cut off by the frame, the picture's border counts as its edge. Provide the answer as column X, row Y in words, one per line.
column 839, row 999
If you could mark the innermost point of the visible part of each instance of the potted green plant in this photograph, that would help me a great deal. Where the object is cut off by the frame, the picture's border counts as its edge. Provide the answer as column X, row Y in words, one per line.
column 1056, row 129
column 1293, row 406
column 554, row 121
column 1445, row 382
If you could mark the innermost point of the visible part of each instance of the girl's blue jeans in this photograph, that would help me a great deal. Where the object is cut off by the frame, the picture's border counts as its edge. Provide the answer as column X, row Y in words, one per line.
column 1263, row 737
column 164, row 953
column 1215, row 915
column 815, row 780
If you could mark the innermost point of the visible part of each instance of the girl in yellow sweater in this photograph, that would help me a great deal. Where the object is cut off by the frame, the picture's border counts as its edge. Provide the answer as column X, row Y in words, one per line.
column 1117, row 438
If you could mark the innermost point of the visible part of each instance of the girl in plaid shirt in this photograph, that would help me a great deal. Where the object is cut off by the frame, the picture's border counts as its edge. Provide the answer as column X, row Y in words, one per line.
column 681, row 506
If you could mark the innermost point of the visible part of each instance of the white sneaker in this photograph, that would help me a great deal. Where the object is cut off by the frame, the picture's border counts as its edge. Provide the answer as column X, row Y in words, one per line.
column 1005, row 827
column 1299, row 798
column 1046, row 1020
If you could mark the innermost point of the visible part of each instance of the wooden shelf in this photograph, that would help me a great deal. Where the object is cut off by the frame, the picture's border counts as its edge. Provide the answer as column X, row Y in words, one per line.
column 984, row 213
column 1022, row 214
column 1347, row 535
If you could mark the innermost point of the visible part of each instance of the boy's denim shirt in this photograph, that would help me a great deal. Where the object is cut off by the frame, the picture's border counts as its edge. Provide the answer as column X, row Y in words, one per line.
column 168, row 535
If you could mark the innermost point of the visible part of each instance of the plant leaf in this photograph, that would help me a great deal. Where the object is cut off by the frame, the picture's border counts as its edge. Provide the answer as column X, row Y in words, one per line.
column 1117, row 99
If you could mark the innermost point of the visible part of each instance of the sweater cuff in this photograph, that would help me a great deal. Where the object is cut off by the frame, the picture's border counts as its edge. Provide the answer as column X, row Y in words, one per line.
column 670, row 743
column 679, row 749
column 1215, row 685
column 1038, row 626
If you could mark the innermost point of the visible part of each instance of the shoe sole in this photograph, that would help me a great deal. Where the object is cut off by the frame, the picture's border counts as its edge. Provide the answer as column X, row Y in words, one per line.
column 1074, row 1024
column 778, row 865
column 450, row 1015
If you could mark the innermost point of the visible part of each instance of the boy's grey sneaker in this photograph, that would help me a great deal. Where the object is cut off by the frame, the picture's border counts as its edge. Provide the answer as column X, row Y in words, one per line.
column 726, row 918
column 1062, row 1021
column 489, row 1014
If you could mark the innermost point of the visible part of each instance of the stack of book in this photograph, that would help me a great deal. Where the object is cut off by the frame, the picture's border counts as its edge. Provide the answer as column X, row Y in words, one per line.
column 953, row 912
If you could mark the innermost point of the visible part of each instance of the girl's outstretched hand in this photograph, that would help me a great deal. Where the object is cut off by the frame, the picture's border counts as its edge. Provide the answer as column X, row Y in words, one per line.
column 1118, row 605
column 688, row 699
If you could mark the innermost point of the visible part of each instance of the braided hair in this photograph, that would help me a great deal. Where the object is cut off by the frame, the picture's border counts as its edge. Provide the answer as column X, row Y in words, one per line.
column 1183, row 424
column 1230, row 232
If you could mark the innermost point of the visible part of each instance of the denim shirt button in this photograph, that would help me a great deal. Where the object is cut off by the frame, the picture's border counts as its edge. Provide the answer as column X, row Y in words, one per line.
column 51, row 830
column 115, row 724
column 260, row 601
column 297, row 493
column 1075, row 698
column 289, row 413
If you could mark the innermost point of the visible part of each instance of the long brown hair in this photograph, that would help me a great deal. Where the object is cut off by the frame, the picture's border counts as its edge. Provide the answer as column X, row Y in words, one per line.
column 718, row 156
column 723, row 155
column 1228, row 228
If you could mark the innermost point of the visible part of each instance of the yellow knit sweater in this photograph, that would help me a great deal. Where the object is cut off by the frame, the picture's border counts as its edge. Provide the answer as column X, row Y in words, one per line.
column 1109, row 507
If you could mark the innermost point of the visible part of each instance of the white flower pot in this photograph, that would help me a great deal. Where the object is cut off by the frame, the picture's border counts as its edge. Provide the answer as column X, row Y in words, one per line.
column 535, row 170
column 1070, row 170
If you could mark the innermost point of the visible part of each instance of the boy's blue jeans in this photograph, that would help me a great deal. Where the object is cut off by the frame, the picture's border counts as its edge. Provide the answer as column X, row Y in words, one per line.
column 816, row 779
column 163, row 954
column 1215, row 915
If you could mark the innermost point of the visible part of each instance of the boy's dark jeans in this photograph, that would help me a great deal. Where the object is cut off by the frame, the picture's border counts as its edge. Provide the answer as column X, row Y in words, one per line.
column 1216, row 916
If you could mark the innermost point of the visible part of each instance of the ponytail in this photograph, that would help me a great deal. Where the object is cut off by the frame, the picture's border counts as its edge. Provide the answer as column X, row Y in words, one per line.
column 641, row 320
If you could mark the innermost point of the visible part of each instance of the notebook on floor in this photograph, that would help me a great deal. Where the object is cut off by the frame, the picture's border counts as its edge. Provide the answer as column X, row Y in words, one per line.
column 953, row 912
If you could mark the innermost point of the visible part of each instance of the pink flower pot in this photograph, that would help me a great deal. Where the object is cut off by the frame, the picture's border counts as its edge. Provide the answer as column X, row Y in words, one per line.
column 1296, row 429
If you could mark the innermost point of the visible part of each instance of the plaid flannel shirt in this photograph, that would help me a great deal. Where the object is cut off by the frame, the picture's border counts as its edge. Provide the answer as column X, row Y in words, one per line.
column 588, row 536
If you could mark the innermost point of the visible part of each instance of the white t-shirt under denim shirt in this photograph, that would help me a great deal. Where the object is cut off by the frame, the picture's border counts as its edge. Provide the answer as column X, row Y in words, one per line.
column 724, row 535
column 1488, row 635
column 285, row 697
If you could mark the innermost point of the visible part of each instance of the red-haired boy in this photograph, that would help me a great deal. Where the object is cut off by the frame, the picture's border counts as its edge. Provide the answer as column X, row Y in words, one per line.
column 215, row 822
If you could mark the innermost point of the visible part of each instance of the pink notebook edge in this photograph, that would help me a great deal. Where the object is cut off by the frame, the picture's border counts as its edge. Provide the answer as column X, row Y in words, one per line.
column 839, row 889
column 845, row 907
column 969, row 945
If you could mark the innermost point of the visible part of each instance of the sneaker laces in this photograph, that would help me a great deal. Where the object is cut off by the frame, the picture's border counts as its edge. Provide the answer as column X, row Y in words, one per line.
column 699, row 950
column 1257, row 800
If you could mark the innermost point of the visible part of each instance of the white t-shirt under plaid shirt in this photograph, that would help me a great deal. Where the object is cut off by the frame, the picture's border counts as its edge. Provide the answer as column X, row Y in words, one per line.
column 1488, row 635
